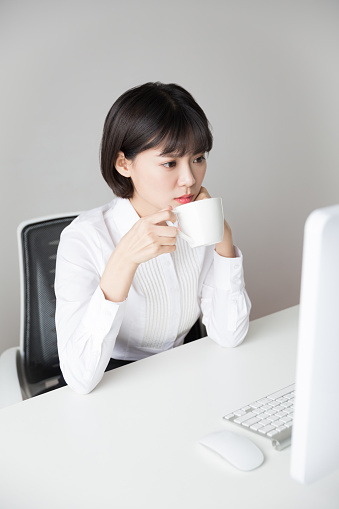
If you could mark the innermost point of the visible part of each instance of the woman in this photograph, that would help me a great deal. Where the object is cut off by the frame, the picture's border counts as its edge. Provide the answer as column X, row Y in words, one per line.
column 126, row 285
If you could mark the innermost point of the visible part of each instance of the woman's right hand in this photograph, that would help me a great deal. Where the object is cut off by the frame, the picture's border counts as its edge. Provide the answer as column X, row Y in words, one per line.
column 147, row 239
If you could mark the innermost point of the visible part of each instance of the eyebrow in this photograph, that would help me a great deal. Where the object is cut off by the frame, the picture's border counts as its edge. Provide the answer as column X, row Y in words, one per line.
column 171, row 154
column 176, row 154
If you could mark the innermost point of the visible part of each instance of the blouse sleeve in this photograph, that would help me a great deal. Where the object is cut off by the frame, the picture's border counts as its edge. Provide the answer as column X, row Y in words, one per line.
column 224, row 301
column 87, row 324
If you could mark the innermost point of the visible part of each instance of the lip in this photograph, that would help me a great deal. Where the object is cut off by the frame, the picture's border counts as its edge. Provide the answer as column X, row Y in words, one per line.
column 185, row 198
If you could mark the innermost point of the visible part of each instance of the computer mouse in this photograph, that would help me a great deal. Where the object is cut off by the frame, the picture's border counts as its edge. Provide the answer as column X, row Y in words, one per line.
column 237, row 449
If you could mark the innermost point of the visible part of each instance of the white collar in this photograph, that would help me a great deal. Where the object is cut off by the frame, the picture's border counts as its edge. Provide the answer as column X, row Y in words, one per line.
column 124, row 214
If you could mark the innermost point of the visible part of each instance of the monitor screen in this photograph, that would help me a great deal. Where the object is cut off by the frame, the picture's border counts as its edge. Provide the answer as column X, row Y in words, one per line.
column 315, row 437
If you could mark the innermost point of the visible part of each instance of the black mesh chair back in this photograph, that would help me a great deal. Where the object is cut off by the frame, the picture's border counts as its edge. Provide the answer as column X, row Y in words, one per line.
column 39, row 247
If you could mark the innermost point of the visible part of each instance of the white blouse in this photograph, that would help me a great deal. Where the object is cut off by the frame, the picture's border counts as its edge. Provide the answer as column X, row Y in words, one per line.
column 167, row 296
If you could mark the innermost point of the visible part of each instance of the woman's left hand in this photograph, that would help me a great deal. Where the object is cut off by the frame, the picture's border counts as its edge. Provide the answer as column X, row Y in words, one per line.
column 203, row 194
column 225, row 247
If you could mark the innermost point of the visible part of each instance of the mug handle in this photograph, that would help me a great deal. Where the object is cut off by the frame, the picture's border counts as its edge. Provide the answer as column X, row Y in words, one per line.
column 185, row 237
column 182, row 234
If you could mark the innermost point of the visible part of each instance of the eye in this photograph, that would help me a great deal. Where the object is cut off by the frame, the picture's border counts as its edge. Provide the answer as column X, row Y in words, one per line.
column 199, row 159
column 170, row 164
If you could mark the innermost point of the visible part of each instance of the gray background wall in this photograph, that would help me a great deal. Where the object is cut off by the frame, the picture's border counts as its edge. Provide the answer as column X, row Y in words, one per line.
column 265, row 72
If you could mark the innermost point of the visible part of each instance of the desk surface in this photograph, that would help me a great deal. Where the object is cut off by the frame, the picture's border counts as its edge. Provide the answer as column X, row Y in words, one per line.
column 133, row 442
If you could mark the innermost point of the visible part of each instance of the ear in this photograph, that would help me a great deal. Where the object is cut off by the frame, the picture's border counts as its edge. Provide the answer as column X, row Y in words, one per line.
column 122, row 165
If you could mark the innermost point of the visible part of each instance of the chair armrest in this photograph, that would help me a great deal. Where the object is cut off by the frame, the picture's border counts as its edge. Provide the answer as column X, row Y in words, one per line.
column 10, row 391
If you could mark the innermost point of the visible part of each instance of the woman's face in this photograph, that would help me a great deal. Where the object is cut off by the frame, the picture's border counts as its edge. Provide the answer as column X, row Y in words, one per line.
column 162, row 180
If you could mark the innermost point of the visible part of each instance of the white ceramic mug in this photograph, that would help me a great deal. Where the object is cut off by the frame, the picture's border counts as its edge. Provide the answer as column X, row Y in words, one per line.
column 201, row 222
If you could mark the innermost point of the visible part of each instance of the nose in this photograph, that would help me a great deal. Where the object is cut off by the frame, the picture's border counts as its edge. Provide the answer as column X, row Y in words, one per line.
column 186, row 177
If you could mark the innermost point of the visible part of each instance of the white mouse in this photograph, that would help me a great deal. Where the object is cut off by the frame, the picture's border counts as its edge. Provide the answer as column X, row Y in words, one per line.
column 237, row 449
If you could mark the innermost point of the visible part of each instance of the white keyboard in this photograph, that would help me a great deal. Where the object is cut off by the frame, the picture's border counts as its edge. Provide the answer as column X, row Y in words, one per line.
column 271, row 416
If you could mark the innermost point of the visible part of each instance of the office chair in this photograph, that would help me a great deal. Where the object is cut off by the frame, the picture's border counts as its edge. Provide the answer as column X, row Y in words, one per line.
column 198, row 331
column 33, row 367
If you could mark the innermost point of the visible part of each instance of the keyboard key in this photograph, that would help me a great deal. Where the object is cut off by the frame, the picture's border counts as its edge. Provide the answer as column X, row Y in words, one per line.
column 273, row 404
column 264, row 422
column 256, row 426
column 281, row 414
column 279, row 408
column 229, row 416
column 250, row 422
column 271, row 412
column 265, row 429
column 239, row 412
column 281, row 428
column 257, row 411
column 256, row 404
column 272, row 433
column 264, row 400
column 242, row 418
column 279, row 423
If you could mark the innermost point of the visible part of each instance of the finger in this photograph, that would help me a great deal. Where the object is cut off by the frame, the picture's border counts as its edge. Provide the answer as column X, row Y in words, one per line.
column 166, row 231
column 167, row 249
column 162, row 215
column 167, row 241
column 161, row 245
column 203, row 194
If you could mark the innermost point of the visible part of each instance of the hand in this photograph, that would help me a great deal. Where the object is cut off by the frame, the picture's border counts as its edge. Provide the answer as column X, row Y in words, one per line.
column 148, row 238
column 203, row 194
column 225, row 247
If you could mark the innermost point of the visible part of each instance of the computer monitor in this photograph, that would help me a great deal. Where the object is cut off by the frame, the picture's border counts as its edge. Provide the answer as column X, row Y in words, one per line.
column 315, row 435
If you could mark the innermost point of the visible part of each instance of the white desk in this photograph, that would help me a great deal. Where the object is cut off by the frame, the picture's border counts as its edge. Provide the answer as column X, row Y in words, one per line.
column 133, row 442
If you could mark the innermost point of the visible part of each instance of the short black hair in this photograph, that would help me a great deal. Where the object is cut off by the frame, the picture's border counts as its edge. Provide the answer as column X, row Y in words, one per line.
column 147, row 116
